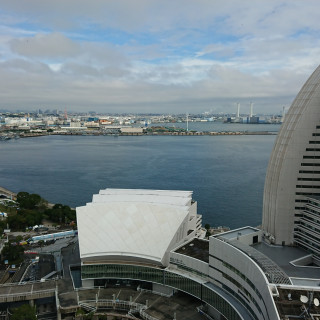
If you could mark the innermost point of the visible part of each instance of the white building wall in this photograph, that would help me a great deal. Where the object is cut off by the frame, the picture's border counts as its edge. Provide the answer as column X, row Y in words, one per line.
column 177, row 259
column 294, row 166
column 248, row 238
column 193, row 208
column 221, row 253
column 180, row 237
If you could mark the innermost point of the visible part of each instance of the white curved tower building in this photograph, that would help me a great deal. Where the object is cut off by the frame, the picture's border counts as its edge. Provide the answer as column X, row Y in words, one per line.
column 293, row 173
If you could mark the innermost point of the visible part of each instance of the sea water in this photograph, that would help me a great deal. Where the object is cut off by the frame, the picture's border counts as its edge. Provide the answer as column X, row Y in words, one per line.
column 226, row 173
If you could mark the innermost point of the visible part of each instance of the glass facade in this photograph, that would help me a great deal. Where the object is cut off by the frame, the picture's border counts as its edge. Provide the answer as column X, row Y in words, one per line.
column 122, row 271
column 243, row 294
column 161, row 276
column 215, row 300
column 182, row 283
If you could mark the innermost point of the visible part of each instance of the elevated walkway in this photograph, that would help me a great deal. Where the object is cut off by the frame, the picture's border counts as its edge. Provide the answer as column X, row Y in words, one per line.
column 28, row 291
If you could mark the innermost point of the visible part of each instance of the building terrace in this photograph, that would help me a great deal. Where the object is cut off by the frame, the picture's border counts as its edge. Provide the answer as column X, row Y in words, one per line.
column 197, row 248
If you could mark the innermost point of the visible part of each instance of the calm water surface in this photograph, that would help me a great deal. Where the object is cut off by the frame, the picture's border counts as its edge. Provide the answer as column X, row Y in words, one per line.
column 226, row 173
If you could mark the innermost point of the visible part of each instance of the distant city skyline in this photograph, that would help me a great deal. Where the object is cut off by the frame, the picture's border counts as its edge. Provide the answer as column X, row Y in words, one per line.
column 156, row 56
column 62, row 113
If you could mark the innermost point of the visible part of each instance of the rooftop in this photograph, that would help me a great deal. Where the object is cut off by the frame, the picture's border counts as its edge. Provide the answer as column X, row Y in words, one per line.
column 135, row 223
column 171, row 193
column 283, row 255
column 197, row 248
column 290, row 306
column 272, row 271
column 166, row 197
column 233, row 234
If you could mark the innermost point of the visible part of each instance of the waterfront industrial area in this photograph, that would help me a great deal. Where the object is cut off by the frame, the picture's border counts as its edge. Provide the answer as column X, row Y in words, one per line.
column 22, row 125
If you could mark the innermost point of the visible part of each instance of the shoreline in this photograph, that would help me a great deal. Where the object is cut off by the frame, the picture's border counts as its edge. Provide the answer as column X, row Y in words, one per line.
column 197, row 133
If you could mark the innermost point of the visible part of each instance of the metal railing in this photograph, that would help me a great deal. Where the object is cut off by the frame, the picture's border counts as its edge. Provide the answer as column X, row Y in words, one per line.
column 93, row 305
column 272, row 271
column 155, row 292
column 30, row 295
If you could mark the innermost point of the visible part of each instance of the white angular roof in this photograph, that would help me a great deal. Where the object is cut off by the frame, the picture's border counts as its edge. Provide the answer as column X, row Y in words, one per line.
column 172, row 197
column 132, row 223
column 172, row 193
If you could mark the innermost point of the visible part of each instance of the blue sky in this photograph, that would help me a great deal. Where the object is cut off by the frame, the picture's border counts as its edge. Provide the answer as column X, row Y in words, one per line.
column 161, row 56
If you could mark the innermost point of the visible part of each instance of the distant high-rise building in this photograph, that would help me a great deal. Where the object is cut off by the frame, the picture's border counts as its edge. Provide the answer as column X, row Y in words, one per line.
column 293, row 175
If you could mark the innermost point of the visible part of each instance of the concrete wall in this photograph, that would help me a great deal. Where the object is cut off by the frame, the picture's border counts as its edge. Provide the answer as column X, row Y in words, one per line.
column 131, row 130
column 248, row 238
column 222, row 253
column 179, row 238
column 193, row 208
column 159, row 288
column 87, row 283
column 282, row 187
column 189, row 262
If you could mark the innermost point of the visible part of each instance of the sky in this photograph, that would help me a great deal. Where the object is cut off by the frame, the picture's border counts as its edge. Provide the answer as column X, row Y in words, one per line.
column 156, row 56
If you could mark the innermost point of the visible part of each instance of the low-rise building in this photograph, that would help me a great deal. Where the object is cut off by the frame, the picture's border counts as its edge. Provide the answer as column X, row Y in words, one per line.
column 154, row 239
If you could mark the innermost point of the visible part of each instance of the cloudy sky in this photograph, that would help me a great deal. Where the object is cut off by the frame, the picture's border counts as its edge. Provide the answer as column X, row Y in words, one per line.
column 156, row 56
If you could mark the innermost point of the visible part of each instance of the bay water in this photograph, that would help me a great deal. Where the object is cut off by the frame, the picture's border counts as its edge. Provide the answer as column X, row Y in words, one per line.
column 226, row 173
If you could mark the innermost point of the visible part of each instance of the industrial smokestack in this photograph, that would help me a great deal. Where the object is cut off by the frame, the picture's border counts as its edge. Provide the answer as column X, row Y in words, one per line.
column 238, row 110
column 251, row 109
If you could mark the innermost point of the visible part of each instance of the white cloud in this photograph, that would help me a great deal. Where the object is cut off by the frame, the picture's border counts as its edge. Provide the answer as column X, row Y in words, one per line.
column 55, row 66
column 155, row 54
column 54, row 45
column 240, row 17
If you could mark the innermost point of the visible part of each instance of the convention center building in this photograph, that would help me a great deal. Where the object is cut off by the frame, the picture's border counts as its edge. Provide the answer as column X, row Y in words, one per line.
column 155, row 240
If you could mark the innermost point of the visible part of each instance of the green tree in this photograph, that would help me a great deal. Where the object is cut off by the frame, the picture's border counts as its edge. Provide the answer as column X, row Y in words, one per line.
column 19, row 238
column 3, row 225
column 16, row 222
column 28, row 201
column 207, row 227
column 24, row 312
column 22, row 198
column 12, row 253
column 61, row 213
column 8, row 208
column 24, row 218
